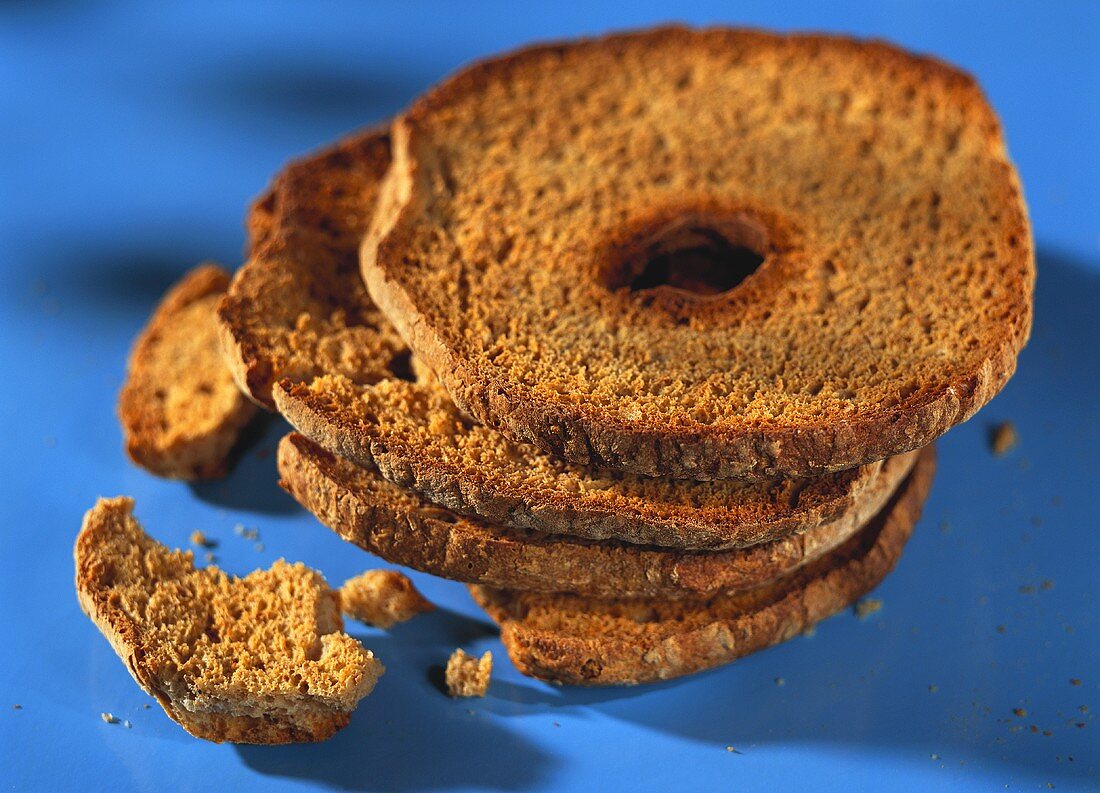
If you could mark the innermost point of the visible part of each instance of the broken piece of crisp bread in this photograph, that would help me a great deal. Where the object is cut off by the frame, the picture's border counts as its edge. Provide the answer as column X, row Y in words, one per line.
column 180, row 410
column 382, row 598
column 468, row 676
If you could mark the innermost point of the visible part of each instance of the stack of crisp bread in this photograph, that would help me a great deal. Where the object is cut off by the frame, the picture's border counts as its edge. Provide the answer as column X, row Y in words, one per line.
column 645, row 338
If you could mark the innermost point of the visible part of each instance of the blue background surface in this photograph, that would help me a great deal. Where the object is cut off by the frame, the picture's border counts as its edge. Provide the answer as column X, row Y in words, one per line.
column 132, row 136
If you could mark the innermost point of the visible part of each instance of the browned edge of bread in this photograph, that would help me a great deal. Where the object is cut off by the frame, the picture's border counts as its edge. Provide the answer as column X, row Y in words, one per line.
column 579, row 641
column 403, row 528
column 297, row 307
column 476, row 471
column 180, row 410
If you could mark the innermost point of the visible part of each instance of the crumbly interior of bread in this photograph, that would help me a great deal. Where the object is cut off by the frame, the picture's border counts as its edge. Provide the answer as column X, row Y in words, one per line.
column 468, row 676
column 180, row 409
column 298, row 306
column 267, row 647
column 897, row 251
column 415, row 435
column 382, row 598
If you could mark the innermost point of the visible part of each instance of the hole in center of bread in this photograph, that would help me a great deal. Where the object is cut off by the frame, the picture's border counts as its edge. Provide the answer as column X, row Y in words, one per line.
column 695, row 255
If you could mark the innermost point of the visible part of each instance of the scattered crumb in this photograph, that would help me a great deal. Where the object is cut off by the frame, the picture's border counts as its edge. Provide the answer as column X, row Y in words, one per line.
column 1082, row 708
column 1002, row 438
column 1047, row 733
column 933, row 688
column 934, row 756
column 259, row 547
column 17, row 706
column 732, row 750
column 1027, row 589
column 210, row 558
column 468, row 676
column 780, row 681
column 555, row 724
column 1075, row 681
column 867, row 606
column 1000, row 629
column 110, row 718
column 147, row 706
column 127, row 724
column 1079, row 724
column 243, row 531
column 1019, row 712
column 1034, row 728
column 200, row 539
column 1046, row 585
column 382, row 598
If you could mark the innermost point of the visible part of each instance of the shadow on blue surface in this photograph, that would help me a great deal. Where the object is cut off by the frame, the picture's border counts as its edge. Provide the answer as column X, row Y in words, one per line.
column 252, row 484
column 331, row 94
column 460, row 747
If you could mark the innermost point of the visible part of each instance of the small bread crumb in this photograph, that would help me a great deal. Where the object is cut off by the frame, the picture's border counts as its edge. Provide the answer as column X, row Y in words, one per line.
column 1002, row 438
column 110, row 718
column 867, row 606
column 201, row 540
column 468, row 676
column 382, row 598
column 1021, row 712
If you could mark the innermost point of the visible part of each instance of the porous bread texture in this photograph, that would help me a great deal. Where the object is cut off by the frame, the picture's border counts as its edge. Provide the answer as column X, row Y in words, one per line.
column 179, row 409
column 525, row 191
column 468, row 676
column 382, row 598
column 298, row 306
column 586, row 641
column 417, row 438
column 403, row 528
column 259, row 659
column 413, row 432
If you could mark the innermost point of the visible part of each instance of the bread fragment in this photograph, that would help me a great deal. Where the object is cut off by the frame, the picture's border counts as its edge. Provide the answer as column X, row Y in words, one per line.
column 404, row 528
column 298, row 307
column 258, row 659
column 382, row 598
column 180, row 410
column 530, row 192
column 586, row 641
column 468, row 676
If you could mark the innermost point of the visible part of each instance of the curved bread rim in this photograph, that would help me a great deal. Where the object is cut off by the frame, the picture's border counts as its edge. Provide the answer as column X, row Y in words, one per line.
column 781, row 610
column 581, row 434
column 470, row 491
column 433, row 540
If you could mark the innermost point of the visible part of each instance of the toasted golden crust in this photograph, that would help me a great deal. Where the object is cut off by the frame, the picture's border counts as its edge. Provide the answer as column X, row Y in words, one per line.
column 586, row 641
column 297, row 307
column 894, row 295
column 417, row 438
column 403, row 528
column 259, row 659
column 180, row 411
